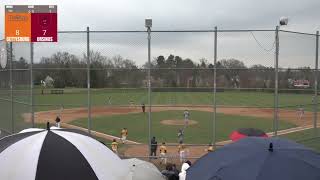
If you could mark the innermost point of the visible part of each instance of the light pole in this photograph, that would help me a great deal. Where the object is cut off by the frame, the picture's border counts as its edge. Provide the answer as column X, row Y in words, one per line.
column 282, row 22
column 315, row 99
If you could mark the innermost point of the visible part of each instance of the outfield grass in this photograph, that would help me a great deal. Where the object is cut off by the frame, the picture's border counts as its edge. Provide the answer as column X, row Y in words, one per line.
column 306, row 137
column 200, row 133
column 78, row 98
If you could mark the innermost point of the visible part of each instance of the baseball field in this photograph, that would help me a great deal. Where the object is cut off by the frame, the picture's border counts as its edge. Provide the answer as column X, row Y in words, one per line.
column 114, row 109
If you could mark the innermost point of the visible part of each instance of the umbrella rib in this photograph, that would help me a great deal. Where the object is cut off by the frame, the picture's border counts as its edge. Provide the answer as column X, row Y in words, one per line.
column 262, row 167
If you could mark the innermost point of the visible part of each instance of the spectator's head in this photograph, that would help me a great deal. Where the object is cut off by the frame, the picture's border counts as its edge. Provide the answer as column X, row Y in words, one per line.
column 163, row 143
column 57, row 119
column 169, row 167
column 114, row 140
column 174, row 166
column 188, row 162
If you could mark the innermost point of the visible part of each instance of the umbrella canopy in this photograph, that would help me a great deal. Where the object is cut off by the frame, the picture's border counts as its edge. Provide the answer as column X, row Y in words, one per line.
column 246, row 132
column 142, row 170
column 58, row 154
column 258, row 159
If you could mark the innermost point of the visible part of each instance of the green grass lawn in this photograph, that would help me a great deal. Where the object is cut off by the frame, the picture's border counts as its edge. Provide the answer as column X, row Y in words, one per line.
column 18, row 121
column 306, row 137
column 78, row 98
column 200, row 133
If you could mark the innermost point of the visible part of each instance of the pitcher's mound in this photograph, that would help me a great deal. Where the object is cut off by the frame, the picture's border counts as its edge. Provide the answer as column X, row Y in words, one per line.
column 177, row 122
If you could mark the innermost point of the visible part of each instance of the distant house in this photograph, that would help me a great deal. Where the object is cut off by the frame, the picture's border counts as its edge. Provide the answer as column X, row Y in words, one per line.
column 155, row 82
column 300, row 83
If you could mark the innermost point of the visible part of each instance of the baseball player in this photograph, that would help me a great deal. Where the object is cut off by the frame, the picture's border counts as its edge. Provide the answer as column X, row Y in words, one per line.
column 109, row 100
column 180, row 136
column 186, row 115
column 210, row 148
column 163, row 152
column 182, row 152
column 300, row 112
column 58, row 120
column 114, row 146
column 153, row 148
column 124, row 134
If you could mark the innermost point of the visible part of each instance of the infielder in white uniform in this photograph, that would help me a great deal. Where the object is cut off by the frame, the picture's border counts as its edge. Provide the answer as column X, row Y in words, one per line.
column 300, row 112
column 186, row 115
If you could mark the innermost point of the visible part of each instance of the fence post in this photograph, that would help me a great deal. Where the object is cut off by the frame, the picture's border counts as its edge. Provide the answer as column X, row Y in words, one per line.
column 11, row 87
column 88, row 81
column 316, row 87
column 276, row 96
column 149, row 80
column 215, row 87
column 31, row 83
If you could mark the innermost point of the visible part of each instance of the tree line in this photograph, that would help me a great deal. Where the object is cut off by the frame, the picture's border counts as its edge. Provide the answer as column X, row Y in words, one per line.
column 68, row 70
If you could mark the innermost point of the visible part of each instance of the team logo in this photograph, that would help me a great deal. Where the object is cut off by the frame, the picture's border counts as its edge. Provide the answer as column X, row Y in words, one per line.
column 3, row 56
column 44, row 21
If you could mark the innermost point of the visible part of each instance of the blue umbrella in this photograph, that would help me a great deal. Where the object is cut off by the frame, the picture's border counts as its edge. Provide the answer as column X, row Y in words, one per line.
column 258, row 159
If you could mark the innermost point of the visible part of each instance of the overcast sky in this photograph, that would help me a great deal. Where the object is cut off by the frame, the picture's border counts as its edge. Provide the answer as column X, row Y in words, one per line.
column 184, row 15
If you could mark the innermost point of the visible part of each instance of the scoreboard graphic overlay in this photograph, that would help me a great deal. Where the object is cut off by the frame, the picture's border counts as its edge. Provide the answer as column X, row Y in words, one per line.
column 25, row 23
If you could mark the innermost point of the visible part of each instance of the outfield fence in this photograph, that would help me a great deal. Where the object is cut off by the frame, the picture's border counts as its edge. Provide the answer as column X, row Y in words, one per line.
column 225, row 74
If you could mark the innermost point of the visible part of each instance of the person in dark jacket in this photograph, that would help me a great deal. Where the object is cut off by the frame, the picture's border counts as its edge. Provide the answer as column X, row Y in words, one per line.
column 58, row 120
column 154, row 147
column 168, row 172
column 176, row 172
column 180, row 136
column 171, row 172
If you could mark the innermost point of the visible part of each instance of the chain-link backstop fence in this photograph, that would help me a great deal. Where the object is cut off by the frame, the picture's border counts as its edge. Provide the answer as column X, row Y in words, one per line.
column 188, row 89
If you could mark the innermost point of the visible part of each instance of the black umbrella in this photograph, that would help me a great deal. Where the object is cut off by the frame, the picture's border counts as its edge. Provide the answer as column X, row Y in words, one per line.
column 52, row 154
column 255, row 158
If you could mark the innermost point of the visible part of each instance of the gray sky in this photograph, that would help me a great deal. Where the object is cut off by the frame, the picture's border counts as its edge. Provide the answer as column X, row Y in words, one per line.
column 184, row 14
